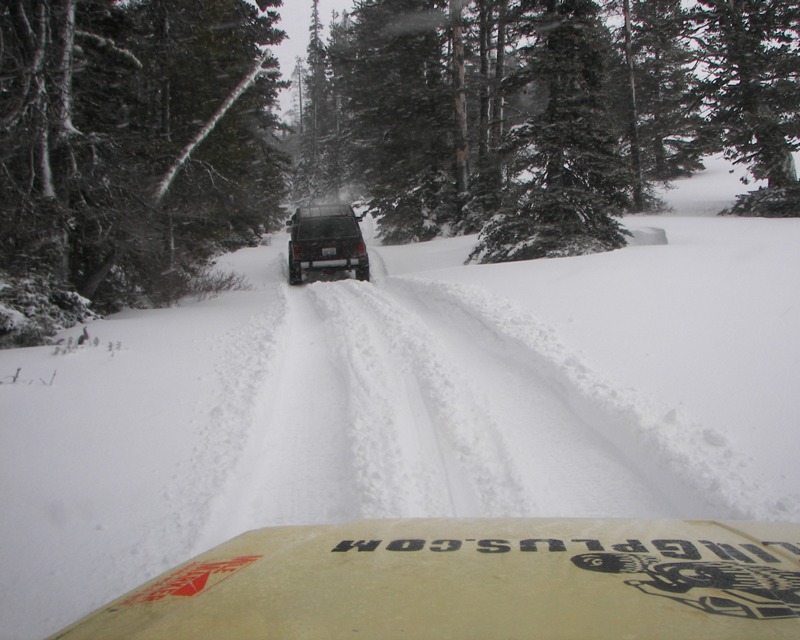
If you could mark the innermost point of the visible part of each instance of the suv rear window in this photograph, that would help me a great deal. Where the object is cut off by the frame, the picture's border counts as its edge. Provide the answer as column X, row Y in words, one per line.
column 317, row 211
column 319, row 228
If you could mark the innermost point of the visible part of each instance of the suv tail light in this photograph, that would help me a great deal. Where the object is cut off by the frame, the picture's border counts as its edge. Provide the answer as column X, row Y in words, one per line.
column 362, row 249
column 295, row 252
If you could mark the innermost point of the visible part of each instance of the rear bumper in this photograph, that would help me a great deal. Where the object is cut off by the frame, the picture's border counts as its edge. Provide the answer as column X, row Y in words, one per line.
column 340, row 264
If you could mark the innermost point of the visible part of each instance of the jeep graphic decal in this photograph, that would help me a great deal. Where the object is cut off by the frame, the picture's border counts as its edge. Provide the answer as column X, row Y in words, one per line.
column 719, row 587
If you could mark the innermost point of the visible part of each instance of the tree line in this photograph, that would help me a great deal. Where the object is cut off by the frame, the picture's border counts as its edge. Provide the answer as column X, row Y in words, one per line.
column 538, row 122
column 140, row 138
column 137, row 140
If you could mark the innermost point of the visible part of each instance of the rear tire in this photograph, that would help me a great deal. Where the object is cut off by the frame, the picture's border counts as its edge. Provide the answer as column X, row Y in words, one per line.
column 295, row 273
column 362, row 273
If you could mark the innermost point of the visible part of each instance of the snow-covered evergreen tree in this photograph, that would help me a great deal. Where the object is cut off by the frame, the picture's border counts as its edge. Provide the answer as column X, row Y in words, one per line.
column 321, row 167
column 655, row 97
column 487, row 43
column 670, row 121
column 752, row 86
column 314, row 85
column 393, row 83
column 571, row 178
column 97, row 99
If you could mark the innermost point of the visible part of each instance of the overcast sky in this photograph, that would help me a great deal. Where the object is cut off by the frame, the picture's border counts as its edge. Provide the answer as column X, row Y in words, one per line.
column 295, row 20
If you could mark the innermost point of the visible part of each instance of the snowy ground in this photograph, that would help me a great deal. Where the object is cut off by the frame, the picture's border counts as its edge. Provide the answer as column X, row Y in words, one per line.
column 656, row 381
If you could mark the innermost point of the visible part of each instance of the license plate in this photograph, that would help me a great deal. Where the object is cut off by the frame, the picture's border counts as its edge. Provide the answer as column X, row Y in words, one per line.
column 328, row 252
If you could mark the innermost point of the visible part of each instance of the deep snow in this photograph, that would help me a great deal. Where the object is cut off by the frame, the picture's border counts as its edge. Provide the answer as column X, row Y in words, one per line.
column 655, row 381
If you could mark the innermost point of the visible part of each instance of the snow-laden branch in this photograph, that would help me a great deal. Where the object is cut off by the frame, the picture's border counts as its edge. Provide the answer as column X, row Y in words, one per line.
column 243, row 86
column 108, row 45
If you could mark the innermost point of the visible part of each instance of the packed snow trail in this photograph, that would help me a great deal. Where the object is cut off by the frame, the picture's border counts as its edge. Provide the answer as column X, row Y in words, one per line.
column 409, row 398
column 291, row 460
column 422, row 446
column 654, row 381
column 599, row 432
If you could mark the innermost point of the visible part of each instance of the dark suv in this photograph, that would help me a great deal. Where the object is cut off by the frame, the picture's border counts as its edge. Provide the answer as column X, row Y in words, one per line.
column 326, row 238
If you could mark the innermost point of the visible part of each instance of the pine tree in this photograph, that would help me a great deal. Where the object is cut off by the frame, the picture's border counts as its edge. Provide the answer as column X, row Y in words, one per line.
column 108, row 219
column 340, row 154
column 321, row 170
column 231, row 184
column 391, row 73
column 632, row 110
column 97, row 98
column 316, row 90
column 64, row 208
column 571, row 177
column 655, row 98
column 749, row 48
column 670, row 124
column 488, row 39
column 37, row 132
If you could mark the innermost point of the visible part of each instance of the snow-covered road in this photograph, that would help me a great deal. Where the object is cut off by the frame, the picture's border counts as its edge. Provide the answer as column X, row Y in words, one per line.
column 411, row 398
column 645, row 383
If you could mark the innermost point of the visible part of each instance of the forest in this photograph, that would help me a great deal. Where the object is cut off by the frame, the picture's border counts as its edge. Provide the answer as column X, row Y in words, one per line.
column 139, row 139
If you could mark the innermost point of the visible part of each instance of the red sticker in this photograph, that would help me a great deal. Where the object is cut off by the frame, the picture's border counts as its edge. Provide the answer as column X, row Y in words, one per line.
column 191, row 580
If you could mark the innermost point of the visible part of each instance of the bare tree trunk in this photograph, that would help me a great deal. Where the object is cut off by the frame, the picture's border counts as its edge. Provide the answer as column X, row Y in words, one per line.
column 91, row 283
column 38, row 27
column 460, row 90
column 485, row 20
column 315, row 62
column 497, row 115
column 64, row 84
column 633, row 115
column 33, row 32
column 496, row 131
column 164, row 115
column 298, row 70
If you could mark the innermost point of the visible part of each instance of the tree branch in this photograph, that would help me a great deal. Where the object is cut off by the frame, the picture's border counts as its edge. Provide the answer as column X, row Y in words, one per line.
column 243, row 86
column 107, row 45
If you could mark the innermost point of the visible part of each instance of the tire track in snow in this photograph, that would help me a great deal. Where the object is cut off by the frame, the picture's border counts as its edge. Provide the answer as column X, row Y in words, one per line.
column 348, row 400
column 296, row 467
column 387, row 485
column 249, row 353
column 691, row 466
column 423, row 447
column 567, row 470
